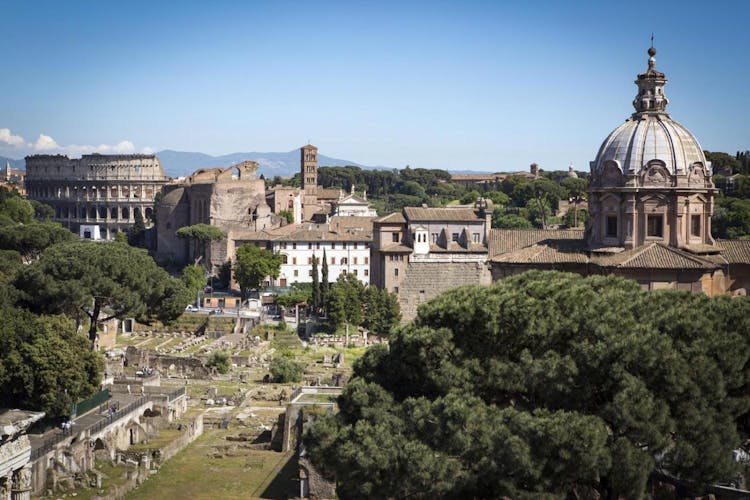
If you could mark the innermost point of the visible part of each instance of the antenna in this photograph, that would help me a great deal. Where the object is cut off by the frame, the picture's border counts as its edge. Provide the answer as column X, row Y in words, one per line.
column 652, row 38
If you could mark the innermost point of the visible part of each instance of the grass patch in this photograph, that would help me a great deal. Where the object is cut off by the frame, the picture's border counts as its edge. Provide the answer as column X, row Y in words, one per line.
column 194, row 473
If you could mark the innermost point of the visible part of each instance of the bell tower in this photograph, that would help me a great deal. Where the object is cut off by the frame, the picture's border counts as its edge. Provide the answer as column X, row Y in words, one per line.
column 309, row 168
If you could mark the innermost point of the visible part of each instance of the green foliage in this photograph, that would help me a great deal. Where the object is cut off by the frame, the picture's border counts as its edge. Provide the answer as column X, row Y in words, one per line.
column 731, row 218
column 32, row 238
column 382, row 312
column 576, row 218
column 252, row 264
column 44, row 364
column 723, row 163
column 497, row 197
column 345, row 302
column 121, row 237
column 543, row 385
column 300, row 293
column 470, row 197
column 284, row 370
column 539, row 212
column 287, row 215
column 315, row 296
column 325, row 286
column 193, row 278
column 137, row 232
column 100, row 281
column 503, row 220
column 201, row 232
column 219, row 360
column 42, row 211
column 13, row 208
column 225, row 274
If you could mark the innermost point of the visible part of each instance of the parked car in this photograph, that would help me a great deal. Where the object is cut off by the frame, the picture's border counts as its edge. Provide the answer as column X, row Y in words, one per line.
column 191, row 308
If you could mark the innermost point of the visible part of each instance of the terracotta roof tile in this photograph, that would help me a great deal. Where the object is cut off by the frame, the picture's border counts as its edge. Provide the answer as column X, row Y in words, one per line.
column 735, row 251
column 395, row 218
column 420, row 214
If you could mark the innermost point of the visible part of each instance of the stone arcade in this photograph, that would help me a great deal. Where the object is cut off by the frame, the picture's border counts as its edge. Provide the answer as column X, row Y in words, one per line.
column 97, row 195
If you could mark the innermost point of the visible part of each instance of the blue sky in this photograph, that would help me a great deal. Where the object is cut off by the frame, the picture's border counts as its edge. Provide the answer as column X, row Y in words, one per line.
column 455, row 85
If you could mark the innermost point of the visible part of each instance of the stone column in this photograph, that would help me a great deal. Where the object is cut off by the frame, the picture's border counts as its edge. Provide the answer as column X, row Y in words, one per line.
column 21, row 489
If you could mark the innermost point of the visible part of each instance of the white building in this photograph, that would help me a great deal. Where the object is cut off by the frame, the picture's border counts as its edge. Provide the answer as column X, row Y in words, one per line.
column 354, row 206
column 344, row 240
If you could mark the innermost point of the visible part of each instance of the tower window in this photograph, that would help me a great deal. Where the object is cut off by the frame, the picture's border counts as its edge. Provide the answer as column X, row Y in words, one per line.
column 655, row 226
column 695, row 225
column 611, row 229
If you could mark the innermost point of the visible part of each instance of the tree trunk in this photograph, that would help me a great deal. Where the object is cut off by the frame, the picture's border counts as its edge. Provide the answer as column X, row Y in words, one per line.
column 94, row 321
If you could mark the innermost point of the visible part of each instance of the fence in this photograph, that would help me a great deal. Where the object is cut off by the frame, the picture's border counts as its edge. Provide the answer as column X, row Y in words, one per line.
column 97, row 426
column 90, row 403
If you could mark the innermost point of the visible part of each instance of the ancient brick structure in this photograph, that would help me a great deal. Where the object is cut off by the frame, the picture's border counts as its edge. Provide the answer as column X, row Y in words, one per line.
column 96, row 196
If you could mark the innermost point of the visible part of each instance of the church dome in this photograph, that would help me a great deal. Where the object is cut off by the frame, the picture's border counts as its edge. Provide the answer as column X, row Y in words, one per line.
column 650, row 134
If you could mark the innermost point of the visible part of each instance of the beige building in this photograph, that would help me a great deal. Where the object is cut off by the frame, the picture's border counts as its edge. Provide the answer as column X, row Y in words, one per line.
column 422, row 252
column 232, row 199
column 97, row 195
column 651, row 201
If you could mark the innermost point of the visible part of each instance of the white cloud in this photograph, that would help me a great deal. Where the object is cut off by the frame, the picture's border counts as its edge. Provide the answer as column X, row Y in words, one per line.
column 12, row 140
column 47, row 144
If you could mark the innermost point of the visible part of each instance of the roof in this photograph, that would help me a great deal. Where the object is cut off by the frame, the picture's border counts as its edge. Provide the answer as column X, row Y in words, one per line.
column 508, row 240
column 735, row 251
column 328, row 193
column 338, row 229
column 421, row 214
column 550, row 247
column 396, row 248
column 394, row 218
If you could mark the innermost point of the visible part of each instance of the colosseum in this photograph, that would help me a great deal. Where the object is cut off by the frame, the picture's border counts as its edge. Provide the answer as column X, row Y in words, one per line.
column 97, row 195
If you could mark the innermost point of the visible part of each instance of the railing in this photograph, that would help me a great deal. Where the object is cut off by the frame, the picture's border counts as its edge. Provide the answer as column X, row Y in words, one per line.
column 97, row 426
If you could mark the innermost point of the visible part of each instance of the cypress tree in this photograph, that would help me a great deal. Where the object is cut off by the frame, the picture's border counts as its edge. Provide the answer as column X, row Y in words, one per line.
column 325, row 286
column 315, row 285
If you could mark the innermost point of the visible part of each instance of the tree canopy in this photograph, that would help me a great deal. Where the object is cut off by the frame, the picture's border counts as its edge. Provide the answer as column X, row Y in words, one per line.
column 252, row 264
column 100, row 281
column 44, row 363
column 543, row 385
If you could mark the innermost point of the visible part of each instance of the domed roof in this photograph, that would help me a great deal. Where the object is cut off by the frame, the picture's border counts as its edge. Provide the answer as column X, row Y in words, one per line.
column 650, row 133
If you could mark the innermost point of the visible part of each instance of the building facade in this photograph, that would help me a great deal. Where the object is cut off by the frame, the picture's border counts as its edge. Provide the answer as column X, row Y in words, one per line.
column 232, row 199
column 421, row 252
column 344, row 241
column 96, row 196
column 651, row 200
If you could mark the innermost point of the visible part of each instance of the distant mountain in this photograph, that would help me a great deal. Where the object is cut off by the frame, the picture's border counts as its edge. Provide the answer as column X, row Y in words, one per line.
column 16, row 164
column 178, row 163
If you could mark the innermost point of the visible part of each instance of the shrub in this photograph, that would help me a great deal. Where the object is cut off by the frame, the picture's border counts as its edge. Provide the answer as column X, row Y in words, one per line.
column 220, row 361
column 285, row 370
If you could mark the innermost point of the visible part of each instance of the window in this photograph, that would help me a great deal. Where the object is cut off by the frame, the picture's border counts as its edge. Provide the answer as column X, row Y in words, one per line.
column 283, row 245
column 655, row 226
column 695, row 225
column 355, row 246
column 395, row 289
column 367, row 272
column 284, row 259
column 367, row 260
column 294, row 245
column 394, row 236
column 309, row 260
column 309, row 273
column 333, row 245
column 296, row 273
column 355, row 272
column 343, row 261
column 343, row 245
column 433, row 237
column 611, row 229
column 294, row 260
column 309, row 246
column 475, row 237
column 355, row 261
column 333, row 261
column 367, row 244
column 395, row 272
column 454, row 237
column 317, row 245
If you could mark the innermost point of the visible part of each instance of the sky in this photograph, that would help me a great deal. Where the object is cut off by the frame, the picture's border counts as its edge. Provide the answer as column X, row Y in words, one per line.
column 484, row 85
